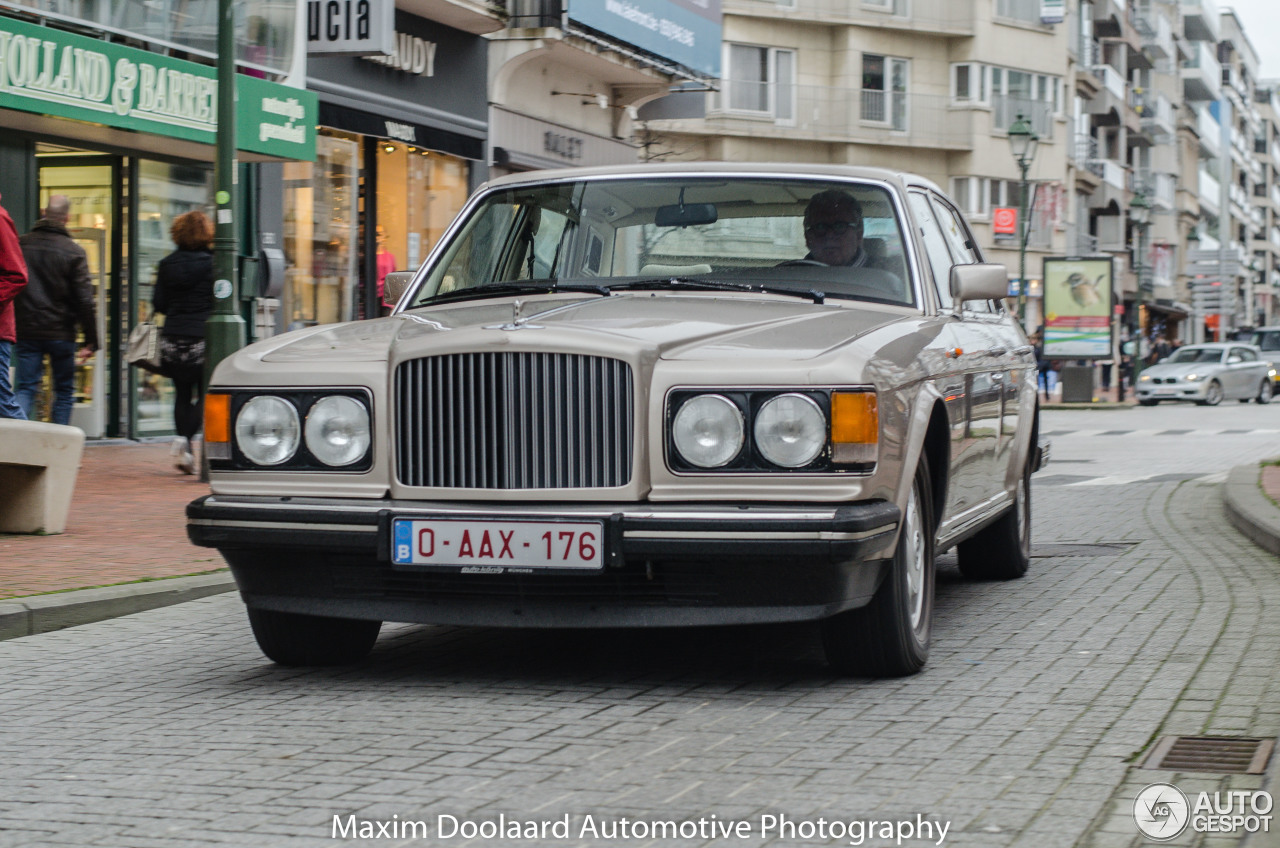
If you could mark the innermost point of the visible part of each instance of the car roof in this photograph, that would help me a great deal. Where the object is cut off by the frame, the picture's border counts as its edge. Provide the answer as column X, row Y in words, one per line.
column 1215, row 345
column 744, row 169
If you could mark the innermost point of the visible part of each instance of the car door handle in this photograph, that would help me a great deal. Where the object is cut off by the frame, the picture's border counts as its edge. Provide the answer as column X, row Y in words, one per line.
column 1024, row 350
column 997, row 351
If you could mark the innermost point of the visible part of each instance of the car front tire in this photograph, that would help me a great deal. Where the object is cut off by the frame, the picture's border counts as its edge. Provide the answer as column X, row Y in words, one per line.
column 1001, row 551
column 1212, row 395
column 890, row 636
column 1265, row 391
column 292, row 639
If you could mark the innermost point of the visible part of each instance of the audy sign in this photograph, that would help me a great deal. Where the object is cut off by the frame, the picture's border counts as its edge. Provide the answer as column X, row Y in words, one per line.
column 58, row 73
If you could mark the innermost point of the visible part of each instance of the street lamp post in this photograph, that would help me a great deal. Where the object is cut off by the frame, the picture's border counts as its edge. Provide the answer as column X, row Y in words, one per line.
column 1140, row 215
column 1023, row 142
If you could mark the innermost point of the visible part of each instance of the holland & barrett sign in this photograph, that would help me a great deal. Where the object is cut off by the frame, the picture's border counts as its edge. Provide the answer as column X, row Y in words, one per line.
column 58, row 73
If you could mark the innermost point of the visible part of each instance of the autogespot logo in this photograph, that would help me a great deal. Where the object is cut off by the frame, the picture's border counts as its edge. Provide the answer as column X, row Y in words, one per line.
column 1161, row 811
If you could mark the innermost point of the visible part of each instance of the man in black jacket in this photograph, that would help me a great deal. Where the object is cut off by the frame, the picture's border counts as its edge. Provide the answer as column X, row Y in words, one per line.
column 58, row 297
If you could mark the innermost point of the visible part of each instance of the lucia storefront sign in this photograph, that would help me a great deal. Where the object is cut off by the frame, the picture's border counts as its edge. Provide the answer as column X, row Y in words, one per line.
column 58, row 73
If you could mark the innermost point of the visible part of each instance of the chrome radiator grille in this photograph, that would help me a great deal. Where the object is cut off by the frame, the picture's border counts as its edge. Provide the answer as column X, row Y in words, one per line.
column 514, row 421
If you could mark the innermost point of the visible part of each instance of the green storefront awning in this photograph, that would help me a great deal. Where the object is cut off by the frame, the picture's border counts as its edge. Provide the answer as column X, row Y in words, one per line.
column 52, row 72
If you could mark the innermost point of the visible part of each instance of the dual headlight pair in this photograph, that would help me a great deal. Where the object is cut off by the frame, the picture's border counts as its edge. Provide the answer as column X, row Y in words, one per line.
column 292, row 431
column 809, row 430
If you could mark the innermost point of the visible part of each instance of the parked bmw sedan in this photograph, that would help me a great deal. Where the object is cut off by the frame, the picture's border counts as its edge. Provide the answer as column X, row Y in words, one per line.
column 1208, row 374
column 644, row 396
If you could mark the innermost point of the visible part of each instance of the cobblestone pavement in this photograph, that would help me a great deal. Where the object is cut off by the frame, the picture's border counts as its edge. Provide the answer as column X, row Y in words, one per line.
column 168, row 728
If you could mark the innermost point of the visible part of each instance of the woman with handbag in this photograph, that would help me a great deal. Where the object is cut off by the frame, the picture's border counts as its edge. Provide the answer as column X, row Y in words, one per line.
column 184, row 294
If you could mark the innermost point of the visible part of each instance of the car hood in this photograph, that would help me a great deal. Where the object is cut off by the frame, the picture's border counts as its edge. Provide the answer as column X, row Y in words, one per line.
column 1180, row 369
column 672, row 326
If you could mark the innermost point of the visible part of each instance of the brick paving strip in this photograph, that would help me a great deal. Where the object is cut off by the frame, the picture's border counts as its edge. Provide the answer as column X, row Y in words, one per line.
column 127, row 524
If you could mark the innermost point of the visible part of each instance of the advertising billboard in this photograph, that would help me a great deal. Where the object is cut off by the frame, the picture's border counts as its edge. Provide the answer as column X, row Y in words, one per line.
column 1077, row 308
column 683, row 31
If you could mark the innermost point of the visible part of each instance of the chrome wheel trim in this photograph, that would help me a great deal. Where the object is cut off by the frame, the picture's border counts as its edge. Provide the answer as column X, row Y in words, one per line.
column 1266, row 390
column 913, row 548
column 1213, row 394
column 1023, row 506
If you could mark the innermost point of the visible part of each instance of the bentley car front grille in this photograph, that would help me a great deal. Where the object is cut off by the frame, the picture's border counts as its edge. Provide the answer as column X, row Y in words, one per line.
column 514, row 421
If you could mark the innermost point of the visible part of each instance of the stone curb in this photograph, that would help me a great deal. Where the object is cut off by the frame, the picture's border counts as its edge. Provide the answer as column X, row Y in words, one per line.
column 1253, row 514
column 45, row 613
column 1250, row 511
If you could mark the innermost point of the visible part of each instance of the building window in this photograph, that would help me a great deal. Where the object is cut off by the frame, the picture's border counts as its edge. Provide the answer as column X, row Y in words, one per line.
column 884, row 90
column 1027, row 11
column 761, row 80
column 969, row 83
column 969, row 195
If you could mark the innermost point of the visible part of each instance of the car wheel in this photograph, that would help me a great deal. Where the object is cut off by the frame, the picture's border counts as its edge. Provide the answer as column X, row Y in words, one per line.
column 889, row 637
column 1002, row 550
column 292, row 639
column 1148, row 402
column 1212, row 395
column 1265, row 390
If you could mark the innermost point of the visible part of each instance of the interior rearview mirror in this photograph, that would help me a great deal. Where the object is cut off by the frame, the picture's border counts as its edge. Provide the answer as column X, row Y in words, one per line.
column 685, row 214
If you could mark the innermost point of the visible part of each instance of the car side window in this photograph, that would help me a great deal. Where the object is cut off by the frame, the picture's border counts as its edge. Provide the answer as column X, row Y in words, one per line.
column 935, row 247
column 1244, row 353
column 957, row 234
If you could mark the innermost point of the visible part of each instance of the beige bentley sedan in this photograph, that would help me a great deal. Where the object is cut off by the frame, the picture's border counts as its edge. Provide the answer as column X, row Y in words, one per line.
column 643, row 396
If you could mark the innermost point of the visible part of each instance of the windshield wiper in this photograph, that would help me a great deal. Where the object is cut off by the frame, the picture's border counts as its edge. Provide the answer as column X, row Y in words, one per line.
column 717, row 285
column 504, row 289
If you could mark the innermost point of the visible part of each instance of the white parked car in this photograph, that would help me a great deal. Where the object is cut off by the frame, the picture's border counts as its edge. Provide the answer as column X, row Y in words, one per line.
column 644, row 396
column 1207, row 374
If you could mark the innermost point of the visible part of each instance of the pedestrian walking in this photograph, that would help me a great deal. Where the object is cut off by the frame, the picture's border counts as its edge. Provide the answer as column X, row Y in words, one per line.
column 1048, row 377
column 13, row 278
column 184, row 295
column 58, row 299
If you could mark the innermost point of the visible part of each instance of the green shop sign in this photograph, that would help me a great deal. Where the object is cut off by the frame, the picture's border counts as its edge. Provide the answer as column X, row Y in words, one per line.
column 58, row 73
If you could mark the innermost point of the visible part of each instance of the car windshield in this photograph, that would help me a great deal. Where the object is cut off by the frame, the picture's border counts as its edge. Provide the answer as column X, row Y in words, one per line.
column 1197, row 354
column 1266, row 339
column 820, row 239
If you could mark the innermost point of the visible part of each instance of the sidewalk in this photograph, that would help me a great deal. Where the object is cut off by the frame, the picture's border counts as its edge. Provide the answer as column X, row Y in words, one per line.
column 127, row 524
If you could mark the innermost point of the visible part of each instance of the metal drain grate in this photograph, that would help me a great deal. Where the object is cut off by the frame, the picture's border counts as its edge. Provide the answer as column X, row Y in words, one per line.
column 1080, row 549
column 1216, row 754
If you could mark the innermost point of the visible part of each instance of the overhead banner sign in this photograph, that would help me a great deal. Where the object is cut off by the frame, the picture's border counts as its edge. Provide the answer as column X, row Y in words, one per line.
column 1077, row 308
column 683, row 31
column 351, row 27
column 58, row 73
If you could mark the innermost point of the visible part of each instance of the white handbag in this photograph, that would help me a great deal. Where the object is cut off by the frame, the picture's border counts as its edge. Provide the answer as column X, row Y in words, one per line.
column 144, row 346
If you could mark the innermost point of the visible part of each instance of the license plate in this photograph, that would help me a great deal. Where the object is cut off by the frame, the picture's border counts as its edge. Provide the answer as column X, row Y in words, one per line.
column 497, row 547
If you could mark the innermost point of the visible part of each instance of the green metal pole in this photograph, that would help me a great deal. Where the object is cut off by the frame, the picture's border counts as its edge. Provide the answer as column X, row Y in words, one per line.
column 225, row 329
column 1023, row 232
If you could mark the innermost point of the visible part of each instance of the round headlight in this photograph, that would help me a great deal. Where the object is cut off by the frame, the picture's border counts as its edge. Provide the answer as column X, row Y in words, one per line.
column 267, row 430
column 790, row 430
column 337, row 430
column 708, row 431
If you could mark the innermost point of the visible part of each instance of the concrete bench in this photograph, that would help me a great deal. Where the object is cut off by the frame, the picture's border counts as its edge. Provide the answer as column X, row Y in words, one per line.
column 38, row 467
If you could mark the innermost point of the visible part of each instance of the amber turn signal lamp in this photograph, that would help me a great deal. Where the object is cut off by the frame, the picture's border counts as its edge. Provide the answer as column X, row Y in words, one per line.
column 855, row 426
column 217, row 425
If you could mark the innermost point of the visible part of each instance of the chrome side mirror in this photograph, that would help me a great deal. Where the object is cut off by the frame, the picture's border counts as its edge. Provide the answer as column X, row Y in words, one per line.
column 397, row 282
column 984, row 281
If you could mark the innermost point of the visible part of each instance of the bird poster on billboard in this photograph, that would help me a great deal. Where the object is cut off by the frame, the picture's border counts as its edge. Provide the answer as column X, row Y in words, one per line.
column 1077, row 308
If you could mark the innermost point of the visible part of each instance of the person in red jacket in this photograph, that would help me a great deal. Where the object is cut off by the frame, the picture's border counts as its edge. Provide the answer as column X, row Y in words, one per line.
column 13, row 277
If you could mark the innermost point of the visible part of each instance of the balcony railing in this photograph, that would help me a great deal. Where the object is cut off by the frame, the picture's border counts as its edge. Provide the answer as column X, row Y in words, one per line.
column 1200, row 17
column 535, row 14
column 1275, row 195
column 1210, row 132
column 1210, row 191
column 947, row 17
column 1202, row 73
column 1005, row 110
column 823, row 113
column 1112, row 172
column 1162, row 188
column 1111, row 79
column 1027, row 11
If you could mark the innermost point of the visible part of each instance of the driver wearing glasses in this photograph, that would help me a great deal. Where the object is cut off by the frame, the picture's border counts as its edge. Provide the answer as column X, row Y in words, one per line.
column 833, row 229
